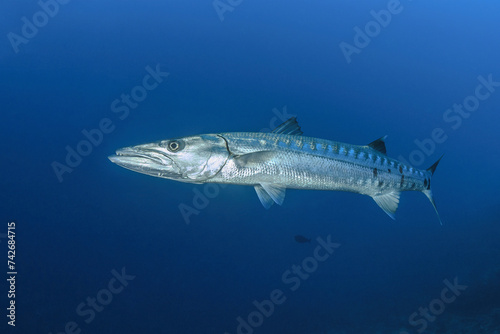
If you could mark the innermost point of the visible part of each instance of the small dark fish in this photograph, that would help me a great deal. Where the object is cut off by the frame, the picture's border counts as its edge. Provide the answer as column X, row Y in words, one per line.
column 301, row 239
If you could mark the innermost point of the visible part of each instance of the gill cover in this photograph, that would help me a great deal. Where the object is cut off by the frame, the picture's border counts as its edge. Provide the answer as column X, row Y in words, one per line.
column 197, row 158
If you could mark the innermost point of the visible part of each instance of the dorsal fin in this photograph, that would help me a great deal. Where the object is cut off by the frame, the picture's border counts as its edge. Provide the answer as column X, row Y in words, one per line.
column 290, row 127
column 379, row 144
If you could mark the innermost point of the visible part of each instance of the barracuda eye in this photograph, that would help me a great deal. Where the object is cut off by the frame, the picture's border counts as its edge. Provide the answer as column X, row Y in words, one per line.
column 174, row 145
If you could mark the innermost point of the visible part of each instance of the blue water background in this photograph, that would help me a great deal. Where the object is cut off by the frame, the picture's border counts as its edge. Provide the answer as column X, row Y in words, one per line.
column 234, row 75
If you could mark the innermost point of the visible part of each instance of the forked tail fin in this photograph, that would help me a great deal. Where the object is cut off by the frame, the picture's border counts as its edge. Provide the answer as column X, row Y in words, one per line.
column 428, row 191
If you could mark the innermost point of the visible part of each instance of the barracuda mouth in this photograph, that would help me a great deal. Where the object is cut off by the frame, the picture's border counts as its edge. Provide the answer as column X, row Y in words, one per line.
column 146, row 161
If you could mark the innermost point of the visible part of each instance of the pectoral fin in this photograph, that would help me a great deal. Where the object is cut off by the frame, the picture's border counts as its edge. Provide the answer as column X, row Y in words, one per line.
column 270, row 194
column 388, row 202
column 249, row 159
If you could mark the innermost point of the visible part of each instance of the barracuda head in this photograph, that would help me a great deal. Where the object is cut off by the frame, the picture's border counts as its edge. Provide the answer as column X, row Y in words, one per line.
column 189, row 159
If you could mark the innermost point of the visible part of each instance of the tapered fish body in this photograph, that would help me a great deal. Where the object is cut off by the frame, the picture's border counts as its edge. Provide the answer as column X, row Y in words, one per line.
column 273, row 162
column 300, row 162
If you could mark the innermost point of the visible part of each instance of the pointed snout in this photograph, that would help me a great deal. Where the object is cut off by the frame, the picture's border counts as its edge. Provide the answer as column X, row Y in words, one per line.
column 147, row 159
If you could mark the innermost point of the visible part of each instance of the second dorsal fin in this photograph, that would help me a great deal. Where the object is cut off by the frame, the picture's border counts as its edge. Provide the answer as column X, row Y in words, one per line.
column 379, row 144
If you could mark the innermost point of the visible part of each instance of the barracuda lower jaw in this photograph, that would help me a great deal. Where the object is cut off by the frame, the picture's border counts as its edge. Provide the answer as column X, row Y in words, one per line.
column 148, row 162
column 154, row 156
column 138, row 155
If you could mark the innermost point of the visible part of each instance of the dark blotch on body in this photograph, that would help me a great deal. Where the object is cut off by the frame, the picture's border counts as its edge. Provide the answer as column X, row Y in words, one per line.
column 402, row 180
column 401, row 169
column 375, row 172
column 389, row 170
column 380, row 183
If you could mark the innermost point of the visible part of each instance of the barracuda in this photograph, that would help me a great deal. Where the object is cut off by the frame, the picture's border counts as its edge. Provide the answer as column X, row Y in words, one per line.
column 273, row 162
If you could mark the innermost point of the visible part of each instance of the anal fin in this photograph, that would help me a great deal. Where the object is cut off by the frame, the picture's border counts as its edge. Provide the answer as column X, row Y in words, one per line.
column 388, row 202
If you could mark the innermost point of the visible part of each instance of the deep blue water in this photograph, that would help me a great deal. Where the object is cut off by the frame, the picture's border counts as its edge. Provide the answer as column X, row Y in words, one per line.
column 244, row 67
